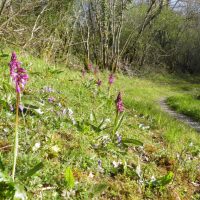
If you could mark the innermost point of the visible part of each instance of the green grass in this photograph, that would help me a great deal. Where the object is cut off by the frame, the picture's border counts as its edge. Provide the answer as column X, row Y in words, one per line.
column 187, row 104
column 81, row 147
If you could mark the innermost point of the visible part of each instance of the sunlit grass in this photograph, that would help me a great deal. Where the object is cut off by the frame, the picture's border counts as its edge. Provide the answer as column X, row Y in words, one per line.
column 187, row 104
column 49, row 136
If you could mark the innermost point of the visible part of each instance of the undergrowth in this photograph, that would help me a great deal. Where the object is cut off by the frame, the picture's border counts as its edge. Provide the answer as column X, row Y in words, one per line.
column 66, row 122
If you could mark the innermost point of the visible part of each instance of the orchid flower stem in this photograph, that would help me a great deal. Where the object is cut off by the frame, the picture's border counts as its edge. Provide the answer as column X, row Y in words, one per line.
column 115, row 123
column 16, row 136
column 109, row 91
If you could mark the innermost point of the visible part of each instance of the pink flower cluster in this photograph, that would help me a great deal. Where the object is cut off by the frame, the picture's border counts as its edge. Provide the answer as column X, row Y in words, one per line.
column 18, row 74
column 111, row 79
column 119, row 103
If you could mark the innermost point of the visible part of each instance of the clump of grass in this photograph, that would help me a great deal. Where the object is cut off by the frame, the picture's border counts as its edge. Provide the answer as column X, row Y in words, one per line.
column 186, row 104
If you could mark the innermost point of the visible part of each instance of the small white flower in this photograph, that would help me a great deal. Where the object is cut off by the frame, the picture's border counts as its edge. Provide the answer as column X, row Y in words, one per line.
column 64, row 111
column 196, row 184
column 105, row 123
column 36, row 146
column 70, row 193
column 70, row 112
column 73, row 121
column 20, row 195
column 55, row 148
column 91, row 117
column 6, row 130
column 107, row 120
column 153, row 178
column 39, row 111
column 105, row 137
column 141, row 125
column 100, row 169
column 91, row 175
column 116, row 164
column 138, row 170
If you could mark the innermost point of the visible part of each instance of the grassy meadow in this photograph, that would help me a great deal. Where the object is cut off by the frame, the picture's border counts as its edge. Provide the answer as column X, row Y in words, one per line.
column 188, row 104
column 66, row 123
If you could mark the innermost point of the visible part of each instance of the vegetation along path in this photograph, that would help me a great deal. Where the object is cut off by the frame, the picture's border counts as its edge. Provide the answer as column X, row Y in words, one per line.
column 181, row 117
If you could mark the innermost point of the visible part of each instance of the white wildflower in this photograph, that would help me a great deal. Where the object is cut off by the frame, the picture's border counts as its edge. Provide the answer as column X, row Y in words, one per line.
column 116, row 164
column 107, row 120
column 105, row 123
column 36, row 146
column 20, row 195
column 6, row 130
column 91, row 175
column 70, row 194
column 55, row 148
column 70, row 112
column 39, row 111
column 153, row 178
column 73, row 121
column 91, row 117
column 191, row 144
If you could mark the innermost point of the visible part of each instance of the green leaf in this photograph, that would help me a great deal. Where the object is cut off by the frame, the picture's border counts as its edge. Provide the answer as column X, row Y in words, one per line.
column 3, row 103
column 69, row 178
column 101, row 124
column 160, row 182
column 94, row 115
column 166, row 179
column 119, row 122
column 32, row 171
column 132, row 141
column 2, row 167
column 4, row 55
column 95, row 128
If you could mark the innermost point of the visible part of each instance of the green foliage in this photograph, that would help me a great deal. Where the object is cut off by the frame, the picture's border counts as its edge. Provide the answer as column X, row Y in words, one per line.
column 102, row 167
column 35, row 169
column 69, row 178
column 186, row 104
column 11, row 190
column 161, row 182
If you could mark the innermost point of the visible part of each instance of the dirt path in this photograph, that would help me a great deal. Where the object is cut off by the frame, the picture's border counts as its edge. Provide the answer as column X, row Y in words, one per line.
column 181, row 117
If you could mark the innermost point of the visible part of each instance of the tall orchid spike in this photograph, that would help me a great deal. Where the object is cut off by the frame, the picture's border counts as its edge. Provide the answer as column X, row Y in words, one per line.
column 18, row 74
column 119, row 103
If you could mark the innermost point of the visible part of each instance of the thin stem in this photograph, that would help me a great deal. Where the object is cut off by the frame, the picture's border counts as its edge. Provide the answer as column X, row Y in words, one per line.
column 109, row 87
column 16, row 136
column 115, row 123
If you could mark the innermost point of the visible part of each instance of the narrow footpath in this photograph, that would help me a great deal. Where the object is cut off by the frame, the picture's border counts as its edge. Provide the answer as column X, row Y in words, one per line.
column 181, row 117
